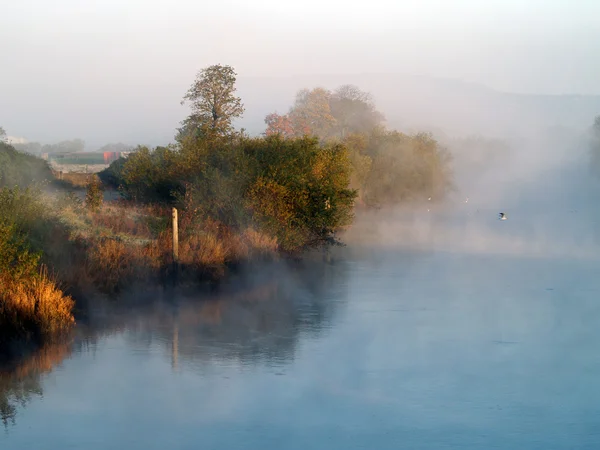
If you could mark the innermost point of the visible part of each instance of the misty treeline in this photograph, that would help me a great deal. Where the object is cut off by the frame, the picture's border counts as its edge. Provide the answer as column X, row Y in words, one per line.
column 296, row 190
column 66, row 146
column 300, row 180
column 387, row 167
column 36, row 148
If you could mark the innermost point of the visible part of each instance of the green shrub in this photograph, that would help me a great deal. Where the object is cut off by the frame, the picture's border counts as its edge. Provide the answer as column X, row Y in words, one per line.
column 300, row 190
column 17, row 261
column 27, row 212
column 148, row 176
column 112, row 175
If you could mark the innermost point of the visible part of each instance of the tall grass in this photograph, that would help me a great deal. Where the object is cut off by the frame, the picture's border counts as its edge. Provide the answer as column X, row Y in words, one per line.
column 123, row 245
column 31, row 304
column 33, row 308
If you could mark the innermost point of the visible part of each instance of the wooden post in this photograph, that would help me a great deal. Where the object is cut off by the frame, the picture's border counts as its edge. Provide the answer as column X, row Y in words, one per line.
column 175, row 266
column 175, row 237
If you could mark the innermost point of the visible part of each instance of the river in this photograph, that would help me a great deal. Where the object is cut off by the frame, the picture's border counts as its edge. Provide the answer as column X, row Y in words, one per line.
column 480, row 334
column 388, row 349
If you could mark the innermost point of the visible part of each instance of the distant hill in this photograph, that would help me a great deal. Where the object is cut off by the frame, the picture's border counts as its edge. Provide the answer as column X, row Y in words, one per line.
column 418, row 103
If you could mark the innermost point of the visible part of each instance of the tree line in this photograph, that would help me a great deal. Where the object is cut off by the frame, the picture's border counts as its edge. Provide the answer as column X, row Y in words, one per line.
column 388, row 167
column 300, row 180
column 65, row 146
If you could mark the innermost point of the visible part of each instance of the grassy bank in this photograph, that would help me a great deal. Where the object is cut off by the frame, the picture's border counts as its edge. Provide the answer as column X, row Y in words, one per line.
column 32, row 307
column 127, row 244
column 241, row 202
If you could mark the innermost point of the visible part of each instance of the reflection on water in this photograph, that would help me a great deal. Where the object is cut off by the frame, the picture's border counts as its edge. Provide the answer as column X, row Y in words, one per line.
column 253, row 318
column 21, row 380
column 250, row 320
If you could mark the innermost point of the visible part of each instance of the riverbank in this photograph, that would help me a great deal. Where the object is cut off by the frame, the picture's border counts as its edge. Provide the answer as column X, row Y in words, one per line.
column 240, row 200
column 105, row 252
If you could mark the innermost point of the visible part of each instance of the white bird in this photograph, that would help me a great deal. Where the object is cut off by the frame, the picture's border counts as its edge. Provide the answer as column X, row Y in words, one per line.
column 502, row 216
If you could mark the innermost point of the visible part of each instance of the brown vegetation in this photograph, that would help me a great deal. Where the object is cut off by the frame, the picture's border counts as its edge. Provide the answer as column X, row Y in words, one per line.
column 123, row 244
column 33, row 305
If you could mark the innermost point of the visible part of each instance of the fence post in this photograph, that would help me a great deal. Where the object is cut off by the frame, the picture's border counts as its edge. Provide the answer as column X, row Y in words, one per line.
column 175, row 266
column 175, row 237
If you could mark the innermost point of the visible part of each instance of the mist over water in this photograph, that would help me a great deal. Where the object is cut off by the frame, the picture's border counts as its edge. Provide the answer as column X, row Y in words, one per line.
column 435, row 329
column 546, row 191
column 438, row 326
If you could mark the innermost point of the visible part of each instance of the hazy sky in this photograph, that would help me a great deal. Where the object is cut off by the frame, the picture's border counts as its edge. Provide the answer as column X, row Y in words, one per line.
column 102, row 52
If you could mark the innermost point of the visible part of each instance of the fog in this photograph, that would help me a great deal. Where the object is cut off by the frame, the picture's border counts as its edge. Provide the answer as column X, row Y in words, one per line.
column 116, row 71
column 437, row 325
column 542, row 182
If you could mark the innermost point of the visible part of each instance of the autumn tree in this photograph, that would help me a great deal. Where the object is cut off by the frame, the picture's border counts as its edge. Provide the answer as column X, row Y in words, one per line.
column 278, row 124
column 311, row 113
column 320, row 112
column 353, row 110
column 213, row 102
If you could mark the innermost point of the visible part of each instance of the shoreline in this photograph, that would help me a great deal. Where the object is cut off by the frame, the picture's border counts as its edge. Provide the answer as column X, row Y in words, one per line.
column 240, row 282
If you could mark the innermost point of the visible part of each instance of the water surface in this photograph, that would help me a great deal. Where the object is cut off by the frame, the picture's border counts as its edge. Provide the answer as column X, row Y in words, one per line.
column 377, row 349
